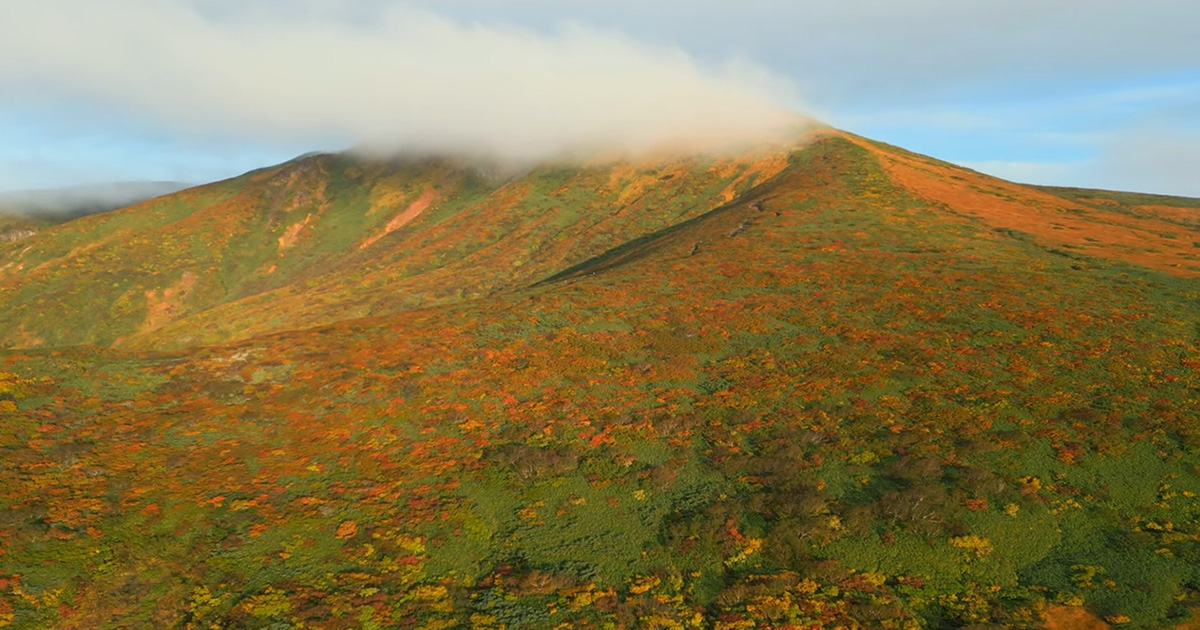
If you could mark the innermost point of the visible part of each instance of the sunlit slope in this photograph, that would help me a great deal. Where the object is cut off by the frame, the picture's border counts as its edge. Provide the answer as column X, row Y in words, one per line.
column 102, row 278
column 527, row 229
column 331, row 237
column 1153, row 231
column 833, row 403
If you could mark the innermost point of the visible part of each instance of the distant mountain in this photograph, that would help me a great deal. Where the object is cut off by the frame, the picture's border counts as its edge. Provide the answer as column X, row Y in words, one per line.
column 830, row 385
column 63, row 204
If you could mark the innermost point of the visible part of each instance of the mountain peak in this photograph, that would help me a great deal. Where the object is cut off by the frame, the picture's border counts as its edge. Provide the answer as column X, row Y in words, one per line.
column 295, row 245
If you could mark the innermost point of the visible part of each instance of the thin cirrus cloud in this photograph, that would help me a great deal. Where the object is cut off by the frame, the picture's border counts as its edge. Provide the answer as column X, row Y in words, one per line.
column 397, row 78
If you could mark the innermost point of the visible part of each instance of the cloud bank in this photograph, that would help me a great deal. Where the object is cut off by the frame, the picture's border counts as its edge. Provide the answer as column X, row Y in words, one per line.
column 385, row 76
column 82, row 200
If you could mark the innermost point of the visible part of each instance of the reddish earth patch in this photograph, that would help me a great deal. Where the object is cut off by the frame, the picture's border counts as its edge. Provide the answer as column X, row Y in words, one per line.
column 1072, row 618
column 27, row 339
column 292, row 234
column 162, row 309
column 400, row 220
column 1146, row 240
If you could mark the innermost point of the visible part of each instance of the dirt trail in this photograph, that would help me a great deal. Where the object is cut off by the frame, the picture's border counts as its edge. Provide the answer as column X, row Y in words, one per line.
column 162, row 309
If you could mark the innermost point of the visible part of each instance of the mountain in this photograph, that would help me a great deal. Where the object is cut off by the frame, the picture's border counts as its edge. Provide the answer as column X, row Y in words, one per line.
column 331, row 237
column 835, row 384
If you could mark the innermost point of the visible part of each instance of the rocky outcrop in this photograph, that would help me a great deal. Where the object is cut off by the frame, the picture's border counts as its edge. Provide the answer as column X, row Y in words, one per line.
column 16, row 234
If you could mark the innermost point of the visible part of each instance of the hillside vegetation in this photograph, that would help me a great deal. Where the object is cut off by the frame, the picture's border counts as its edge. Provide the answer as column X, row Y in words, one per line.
column 329, row 237
column 838, row 386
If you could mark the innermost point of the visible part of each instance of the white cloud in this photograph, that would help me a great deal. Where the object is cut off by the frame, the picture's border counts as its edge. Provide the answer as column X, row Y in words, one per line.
column 1031, row 89
column 84, row 199
column 391, row 75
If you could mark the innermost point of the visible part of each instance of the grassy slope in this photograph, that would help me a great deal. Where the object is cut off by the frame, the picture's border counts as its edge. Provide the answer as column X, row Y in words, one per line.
column 330, row 237
column 102, row 278
column 856, row 405
column 527, row 229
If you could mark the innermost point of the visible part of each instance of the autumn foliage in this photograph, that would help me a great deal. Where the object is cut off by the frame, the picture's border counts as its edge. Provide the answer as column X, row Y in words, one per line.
column 801, row 390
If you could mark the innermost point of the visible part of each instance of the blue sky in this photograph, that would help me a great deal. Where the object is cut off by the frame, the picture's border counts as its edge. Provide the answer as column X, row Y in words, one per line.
column 1102, row 93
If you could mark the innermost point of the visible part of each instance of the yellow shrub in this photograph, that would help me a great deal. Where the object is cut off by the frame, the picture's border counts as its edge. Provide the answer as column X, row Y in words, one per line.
column 975, row 544
column 644, row 584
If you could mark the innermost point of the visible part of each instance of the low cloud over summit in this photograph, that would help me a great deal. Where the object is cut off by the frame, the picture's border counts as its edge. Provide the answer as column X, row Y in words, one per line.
column 392, row 77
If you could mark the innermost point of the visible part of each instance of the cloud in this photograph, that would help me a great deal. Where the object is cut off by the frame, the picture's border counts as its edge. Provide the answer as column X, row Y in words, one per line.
column 383, row 75
column 82, row 200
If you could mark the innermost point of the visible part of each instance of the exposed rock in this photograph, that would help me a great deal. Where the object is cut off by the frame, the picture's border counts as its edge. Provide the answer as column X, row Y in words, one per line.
column 16, row 234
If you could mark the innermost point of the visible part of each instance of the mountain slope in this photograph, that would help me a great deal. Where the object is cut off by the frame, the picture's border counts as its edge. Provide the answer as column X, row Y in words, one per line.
column 330, row 237
column 326, row 238
column 103, row 277
column 1090, row 223
column 832, row 399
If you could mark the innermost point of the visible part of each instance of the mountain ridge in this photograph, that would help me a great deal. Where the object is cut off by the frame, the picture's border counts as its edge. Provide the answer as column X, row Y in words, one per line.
column 225, row 288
